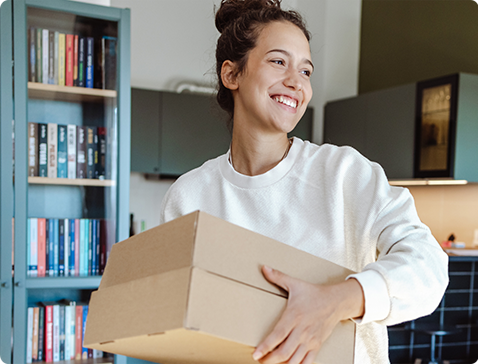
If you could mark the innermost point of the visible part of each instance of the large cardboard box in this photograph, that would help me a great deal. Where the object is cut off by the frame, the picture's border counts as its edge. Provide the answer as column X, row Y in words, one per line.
column 192, row 291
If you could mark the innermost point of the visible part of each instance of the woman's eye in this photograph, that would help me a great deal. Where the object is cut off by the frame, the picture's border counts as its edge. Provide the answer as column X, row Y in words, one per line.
column 278, row 61
column 307, row 73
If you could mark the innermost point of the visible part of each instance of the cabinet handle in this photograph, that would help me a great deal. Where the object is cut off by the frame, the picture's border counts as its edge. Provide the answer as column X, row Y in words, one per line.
column 18, row 284
column 5, row 285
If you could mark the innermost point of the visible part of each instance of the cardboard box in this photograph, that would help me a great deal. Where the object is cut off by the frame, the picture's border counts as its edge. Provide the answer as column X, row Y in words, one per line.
column 192, row 291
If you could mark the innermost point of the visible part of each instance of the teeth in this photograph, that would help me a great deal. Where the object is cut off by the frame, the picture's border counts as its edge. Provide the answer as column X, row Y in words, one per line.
column 286, row 101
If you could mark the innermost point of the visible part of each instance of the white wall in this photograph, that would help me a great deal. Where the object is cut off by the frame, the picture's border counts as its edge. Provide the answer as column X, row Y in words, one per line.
column 174, row 41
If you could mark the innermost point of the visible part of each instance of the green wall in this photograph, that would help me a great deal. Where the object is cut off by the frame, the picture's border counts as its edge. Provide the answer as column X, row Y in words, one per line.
column 404, row 41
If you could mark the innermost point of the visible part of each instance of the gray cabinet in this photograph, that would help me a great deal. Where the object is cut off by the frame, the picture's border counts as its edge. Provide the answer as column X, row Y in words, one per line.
column 382, row 125
column 173, row 133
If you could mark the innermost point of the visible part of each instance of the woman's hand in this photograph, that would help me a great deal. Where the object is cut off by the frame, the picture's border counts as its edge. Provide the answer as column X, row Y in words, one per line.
column 311, row 314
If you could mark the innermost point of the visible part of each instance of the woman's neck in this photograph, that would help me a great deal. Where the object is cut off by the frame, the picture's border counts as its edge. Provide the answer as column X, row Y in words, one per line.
column 253, row 155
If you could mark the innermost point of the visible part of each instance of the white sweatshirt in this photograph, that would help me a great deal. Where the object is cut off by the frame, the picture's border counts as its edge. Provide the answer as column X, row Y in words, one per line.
column 335, row 204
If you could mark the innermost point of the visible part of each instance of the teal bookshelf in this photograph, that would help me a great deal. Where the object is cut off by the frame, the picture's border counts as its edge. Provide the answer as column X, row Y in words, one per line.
column 23, row 196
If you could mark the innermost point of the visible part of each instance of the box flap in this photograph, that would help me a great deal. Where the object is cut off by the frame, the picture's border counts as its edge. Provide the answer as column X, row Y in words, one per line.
column 238, row 253
column 149, row 305
column 157, row 250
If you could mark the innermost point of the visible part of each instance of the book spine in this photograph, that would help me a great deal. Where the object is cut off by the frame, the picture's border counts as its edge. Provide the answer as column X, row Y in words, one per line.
column 69, row 60
column 94, row 247
column 72, row 330
column 41, row 333
column 61, row 247
column 36, row 311
column 62, row 56
column 49, row 334
column 56, row 247
column 90, row 151
column 33, row 247
column 75, row 60
column 82, row 247
column 67, row 246
column 29, row 334
column 41, row 247
column 110, row 62
column 62, row 155
column 77, row 247
column 29, row 246
column 101, row 166
column 39, row 55
column 51, row 57
column 71, row 262
column 42, row 150
column 98, row 249
column 81, row 158
column 90, row 247
column 45, row 55
column 71, row 151
column 33, row 149
column 62, row 332
column 32, row 54
column 102, row 246
column 81, row 61
column 84, row 351
column 57, row 57
column 79, row 332
column 52, row 150
column 89, row 78
column 67, row 333
column 48, row 247
column 56, row 333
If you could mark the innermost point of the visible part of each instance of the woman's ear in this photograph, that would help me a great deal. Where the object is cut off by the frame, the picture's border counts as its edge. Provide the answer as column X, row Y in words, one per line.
column 229, row 76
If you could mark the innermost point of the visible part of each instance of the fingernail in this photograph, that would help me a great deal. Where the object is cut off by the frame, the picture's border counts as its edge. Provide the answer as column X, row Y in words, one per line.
column 267, row 268
column 256, row 355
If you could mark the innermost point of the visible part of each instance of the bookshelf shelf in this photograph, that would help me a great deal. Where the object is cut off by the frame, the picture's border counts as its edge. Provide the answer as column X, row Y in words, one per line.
column 83, row 361
column 91, row 282
column 71, row 181
column 43, row 91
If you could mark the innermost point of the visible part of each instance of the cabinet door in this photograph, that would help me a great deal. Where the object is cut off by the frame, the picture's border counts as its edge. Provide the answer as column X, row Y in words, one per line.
column 6, row 186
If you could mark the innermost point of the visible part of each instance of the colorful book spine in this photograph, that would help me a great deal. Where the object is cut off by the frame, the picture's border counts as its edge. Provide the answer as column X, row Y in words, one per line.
column 67, row 246
column 57, row 57
column 75, row 60
column 32, row 149
column 69, row 60
column 33, row 269
column 62, row 152
column 81, row 61
column 56, row 247
column 39, row 55
column 41, row 247
column 45, row 55
column 77, row 247
column 101, row 165
column 72, row 232
column 91, row 148
column 36, row 311
column 51, row 57
column 79, row 332
column 29, row 334
column 41, row 333
column 62, row 54
column 84, row 351
column 81, row 159
column 82, row 248
column 61, row 247
column 52, row 150
column 71, row 151
column 48, row 247
column 89, row 74
column 42, row 150
column 48, row 333
column 102, row 232
column 32, row 54
column 62, row 332
column 56, row 332
column 91, row 247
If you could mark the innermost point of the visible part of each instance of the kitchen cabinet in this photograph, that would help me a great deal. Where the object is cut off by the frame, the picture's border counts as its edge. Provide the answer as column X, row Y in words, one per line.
column 389, row 127
column 172, row 133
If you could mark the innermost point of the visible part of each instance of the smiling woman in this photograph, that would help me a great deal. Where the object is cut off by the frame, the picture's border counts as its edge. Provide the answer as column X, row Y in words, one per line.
column 328, row 201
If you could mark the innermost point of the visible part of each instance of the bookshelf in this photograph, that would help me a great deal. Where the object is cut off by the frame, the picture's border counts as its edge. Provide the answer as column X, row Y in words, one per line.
column 25, row 196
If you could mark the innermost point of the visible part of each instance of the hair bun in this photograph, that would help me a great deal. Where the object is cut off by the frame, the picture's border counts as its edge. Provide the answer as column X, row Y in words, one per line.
column 230, row 10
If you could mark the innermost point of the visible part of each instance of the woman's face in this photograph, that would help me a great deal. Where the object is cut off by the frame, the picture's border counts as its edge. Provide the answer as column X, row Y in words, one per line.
column 273, row 92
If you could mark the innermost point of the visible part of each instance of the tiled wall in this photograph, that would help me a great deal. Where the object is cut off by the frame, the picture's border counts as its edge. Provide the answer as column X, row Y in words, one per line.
column 448, row 209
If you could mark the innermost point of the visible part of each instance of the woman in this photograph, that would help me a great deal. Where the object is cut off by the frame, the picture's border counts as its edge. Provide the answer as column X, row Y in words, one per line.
column 326, row 200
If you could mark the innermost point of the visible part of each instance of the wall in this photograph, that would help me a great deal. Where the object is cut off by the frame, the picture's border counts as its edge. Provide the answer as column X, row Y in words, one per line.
column 448, row 209
column 174, row 41
column 408, row 41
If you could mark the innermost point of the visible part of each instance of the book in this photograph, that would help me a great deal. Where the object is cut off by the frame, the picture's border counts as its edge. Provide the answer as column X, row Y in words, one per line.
column 89, row 74
column 42, row 150
column 33, row 268
column 91, row 148
column 67, row 246
column 52, row 150
column 62, row 332
column 109, row 45
column 69, row 60
column 102, row 262
column 101, row 164
column 79, row 332
column 71, row 151
column 41, row 247
column 95, row 270
column 29, row 334
column 81, row 249
column 35, row 333
column 61, row 247
column 56, row 247
column 56, row 332
column 32, row 54
column 81, row 61
column 48, row 248
column 57, row 56
column 62, row 56
column 77, row 247
column 72, row 233
column 51, row 57
column 39, row 55
column 75, row 60
column 45, row 55
column 84, row 351
column 29, row 247
column 33, row 149
column 81, row 152
column 62, row 153
column 48, row 352
column 91, row 246
column 41, row 332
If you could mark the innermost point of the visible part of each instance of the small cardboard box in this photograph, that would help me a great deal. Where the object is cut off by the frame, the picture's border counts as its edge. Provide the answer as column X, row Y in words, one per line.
column 192, row 291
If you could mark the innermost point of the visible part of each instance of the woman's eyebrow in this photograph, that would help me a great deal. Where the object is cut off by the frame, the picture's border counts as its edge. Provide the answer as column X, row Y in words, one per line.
column 283, row 51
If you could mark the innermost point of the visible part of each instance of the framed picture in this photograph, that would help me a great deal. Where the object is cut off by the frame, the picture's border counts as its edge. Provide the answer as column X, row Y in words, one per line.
column 435, row 129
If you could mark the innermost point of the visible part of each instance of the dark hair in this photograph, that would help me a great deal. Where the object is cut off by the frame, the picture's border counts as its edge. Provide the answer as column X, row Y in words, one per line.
column 240, row 23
